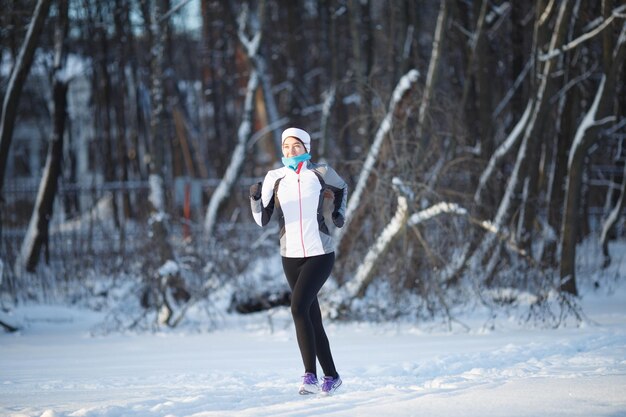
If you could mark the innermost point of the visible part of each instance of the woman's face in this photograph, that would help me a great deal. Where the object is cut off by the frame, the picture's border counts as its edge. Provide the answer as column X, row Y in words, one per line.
column 292, row 147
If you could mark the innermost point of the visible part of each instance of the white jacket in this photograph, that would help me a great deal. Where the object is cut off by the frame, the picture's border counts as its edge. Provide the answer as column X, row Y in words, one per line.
column 298, row 198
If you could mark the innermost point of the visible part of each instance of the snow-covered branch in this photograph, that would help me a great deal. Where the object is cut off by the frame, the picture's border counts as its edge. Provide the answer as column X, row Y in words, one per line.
column 356, row 287
column 518, row 82
column 436, row 210
column 433, row 65
column 402, row 88
column 250, row 43
column 174, row 9
column 252, row 46
column 504, row 149
column 329, row 97
column 237, row 159
column 584, row 37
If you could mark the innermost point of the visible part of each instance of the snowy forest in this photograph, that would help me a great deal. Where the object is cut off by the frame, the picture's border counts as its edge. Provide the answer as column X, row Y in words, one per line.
column 482, row 142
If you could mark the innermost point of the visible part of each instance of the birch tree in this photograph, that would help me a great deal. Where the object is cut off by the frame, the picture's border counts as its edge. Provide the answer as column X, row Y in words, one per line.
column 158, row 138
column 433, row 66
column 254, row 22
column 233, row 171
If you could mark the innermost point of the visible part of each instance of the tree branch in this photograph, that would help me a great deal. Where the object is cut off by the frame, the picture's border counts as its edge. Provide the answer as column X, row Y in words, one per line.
column 585, row 37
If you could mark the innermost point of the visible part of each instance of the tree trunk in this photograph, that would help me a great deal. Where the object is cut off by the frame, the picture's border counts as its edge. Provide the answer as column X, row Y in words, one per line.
column 431, row 76
column 477, row 66
column 611, row 220
column 16, row 83
column 358, row 65
column 568, row 108
column 158, row 137
column 538, row 113
column 233, row 171
column 37, row 233
column 122, row 36
column 586, row 135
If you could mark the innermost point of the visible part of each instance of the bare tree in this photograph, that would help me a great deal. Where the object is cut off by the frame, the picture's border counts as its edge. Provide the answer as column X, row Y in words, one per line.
column 37, row 233
column 158, row 135
column 597, row 116
column 17, row 80
column 245, row 128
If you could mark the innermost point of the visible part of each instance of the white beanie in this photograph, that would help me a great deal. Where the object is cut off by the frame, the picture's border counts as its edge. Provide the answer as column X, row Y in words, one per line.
column 300, row 134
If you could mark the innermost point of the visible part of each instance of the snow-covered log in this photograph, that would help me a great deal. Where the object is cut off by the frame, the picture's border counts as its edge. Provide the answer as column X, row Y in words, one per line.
column 436, row 210
column 357, row 286
column 222, row 192
column 402, row 88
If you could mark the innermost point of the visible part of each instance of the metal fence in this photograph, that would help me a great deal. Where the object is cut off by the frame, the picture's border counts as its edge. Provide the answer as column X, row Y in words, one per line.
column 112, row 218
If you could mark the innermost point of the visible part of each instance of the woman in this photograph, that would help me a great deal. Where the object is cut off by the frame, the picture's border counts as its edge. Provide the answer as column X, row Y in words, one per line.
column 297, row 192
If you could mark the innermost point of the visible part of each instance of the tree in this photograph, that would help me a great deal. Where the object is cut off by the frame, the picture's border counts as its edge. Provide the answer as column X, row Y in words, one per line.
column 598, row 114
column 37, row 233
column 16, row 82
column 244, row 132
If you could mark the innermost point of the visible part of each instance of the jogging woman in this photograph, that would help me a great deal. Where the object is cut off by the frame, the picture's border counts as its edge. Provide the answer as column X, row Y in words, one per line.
column 297, row 192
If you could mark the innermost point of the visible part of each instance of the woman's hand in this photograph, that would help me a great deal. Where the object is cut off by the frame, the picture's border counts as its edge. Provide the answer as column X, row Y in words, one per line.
column 255, row 191
column 338, row 219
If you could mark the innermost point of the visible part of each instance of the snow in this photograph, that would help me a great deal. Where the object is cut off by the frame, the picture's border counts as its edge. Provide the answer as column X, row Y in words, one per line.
column 57, row 367
column 156, row 196
column 169, row 268
column 62, row 363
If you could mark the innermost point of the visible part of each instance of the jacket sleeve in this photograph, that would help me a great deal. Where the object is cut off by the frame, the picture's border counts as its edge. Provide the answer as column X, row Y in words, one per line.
column 263, row 208
column 339, row 188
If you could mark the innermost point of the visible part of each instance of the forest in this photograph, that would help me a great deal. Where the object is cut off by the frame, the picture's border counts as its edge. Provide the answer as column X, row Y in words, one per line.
column 482, row 143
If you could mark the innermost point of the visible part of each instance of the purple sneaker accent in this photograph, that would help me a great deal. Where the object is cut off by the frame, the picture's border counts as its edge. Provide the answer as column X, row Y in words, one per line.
column 330, row 384
column 309, row 384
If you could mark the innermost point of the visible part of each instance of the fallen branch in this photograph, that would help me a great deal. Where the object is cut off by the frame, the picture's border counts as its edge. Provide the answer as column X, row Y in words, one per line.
column 401, row 90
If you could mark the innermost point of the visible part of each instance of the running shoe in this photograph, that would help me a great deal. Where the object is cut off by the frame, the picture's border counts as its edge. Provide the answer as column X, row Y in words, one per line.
column 330, row 384
column 309, row 384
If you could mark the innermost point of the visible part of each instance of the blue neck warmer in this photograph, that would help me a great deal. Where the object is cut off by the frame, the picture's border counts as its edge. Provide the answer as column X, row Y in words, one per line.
column 295, row 160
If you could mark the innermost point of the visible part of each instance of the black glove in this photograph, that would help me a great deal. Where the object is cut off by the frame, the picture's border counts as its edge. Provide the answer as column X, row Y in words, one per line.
column 338, row 219
column 255, row 191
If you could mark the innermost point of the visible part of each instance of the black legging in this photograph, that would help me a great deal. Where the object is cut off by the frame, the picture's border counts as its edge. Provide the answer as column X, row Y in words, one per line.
column 306, row 276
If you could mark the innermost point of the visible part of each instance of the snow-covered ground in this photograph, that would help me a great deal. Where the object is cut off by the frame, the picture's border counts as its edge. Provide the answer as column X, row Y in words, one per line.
column 56, row 367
